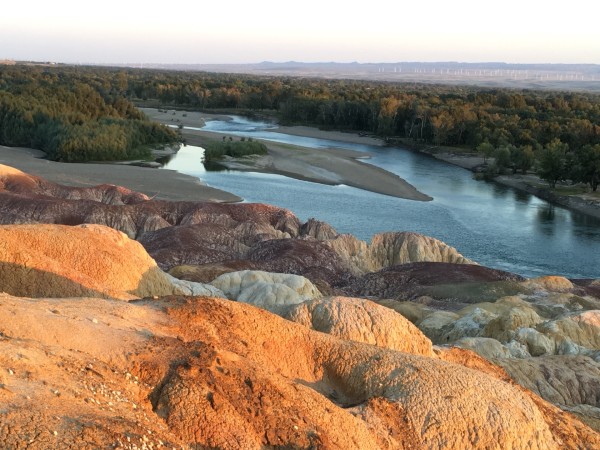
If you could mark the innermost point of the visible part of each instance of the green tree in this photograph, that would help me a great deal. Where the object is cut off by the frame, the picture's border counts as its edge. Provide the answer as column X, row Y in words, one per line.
column 522, row 158
column 486, row 149
column 553, row 162
column 587, row 166
column 502, row 157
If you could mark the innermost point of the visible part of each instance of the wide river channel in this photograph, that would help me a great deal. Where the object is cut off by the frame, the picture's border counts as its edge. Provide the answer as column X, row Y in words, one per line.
column 491, row 224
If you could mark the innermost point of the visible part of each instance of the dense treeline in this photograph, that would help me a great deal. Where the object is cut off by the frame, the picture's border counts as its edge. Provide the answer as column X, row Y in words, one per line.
column 74, row 115
column 443, row 115
column 558, row 133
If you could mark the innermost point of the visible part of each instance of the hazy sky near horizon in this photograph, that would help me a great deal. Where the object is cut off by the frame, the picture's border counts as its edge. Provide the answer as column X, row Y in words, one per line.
column 235, row 31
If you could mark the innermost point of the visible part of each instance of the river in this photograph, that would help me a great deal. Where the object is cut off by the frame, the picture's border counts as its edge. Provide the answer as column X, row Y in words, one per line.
column 491, row 224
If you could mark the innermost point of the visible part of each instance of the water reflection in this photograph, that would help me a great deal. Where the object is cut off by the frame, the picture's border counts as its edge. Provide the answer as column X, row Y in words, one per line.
column 585, row 226
column 546, row 216
column 499, row 190
column 212, row 166
column 522, row 196
column 164, row 159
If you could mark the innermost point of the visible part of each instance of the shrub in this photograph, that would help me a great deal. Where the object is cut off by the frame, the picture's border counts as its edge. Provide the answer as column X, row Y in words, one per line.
column 218, row 149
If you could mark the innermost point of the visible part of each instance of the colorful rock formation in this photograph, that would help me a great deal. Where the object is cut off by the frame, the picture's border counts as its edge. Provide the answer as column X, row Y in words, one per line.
column 330, row 370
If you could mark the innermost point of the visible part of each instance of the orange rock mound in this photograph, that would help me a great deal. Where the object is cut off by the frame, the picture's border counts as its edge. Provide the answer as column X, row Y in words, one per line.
column 85, row 260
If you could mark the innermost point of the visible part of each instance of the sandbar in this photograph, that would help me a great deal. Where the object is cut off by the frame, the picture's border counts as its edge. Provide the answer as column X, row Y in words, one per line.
column 331, row 166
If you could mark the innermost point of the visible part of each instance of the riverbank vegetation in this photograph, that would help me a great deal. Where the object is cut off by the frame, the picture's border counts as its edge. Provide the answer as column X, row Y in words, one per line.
column 74, row 115
column 214, row 150
column 555, row 133
column 79, row 112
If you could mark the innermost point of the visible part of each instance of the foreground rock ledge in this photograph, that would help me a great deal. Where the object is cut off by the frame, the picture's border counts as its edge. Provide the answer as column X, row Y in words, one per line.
column 189, row 372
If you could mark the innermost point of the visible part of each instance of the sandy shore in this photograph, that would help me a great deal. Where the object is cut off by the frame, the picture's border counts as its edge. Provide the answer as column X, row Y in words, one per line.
column 328, row 166
column 163, row 184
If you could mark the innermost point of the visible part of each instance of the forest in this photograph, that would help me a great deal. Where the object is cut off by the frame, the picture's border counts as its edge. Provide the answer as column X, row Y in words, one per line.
column 77, row 109
column 556, row 133
column 74, row 115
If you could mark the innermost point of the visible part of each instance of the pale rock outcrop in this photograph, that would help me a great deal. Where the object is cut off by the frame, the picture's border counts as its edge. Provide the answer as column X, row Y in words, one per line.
column 354, row 251
column 318, row 230
column 469, row 325
column 537, row 344
column 506, row 324
column 184, row 287
column 487, row 348
column 362, row 321
column 434, row 323
column 271, row 291
column 581, row 329
column 514, row 322
column 390, row 249
column 393, row 248
column 413, row 311
column 550, row 283
column 571, row 382
column 517, row 349
column 86, row 260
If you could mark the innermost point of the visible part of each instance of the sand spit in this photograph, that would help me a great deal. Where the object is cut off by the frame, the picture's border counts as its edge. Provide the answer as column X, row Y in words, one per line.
column 327, row 166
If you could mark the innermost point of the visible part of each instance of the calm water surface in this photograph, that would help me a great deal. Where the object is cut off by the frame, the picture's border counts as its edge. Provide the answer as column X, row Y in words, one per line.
column 491, row 224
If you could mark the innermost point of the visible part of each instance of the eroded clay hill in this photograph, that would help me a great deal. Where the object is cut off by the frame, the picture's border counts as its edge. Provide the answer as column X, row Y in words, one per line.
column 199, row 236
column 84, row 260
column 285, row 351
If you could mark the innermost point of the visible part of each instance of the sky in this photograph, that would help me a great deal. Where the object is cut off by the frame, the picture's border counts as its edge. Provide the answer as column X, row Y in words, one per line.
column 242, row 31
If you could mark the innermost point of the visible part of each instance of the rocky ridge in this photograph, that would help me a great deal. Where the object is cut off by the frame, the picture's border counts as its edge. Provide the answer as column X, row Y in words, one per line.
column 138, row 367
